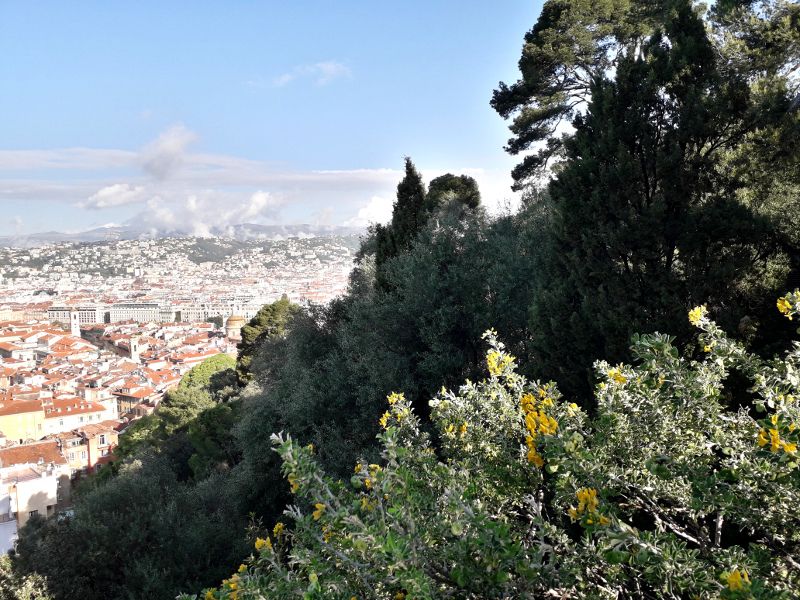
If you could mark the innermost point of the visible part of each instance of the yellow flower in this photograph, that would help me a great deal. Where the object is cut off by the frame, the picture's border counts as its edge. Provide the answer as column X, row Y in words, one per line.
column 789, row 448
column 762, row 438
column 775, row 440
column 277, row 531
column 263, row 543
column 293, row 482
column 527, row 403
column 738, row 580
column 384, row 419
column 368, row 483
column 547, row 425
column 209, row 595
column 572, row 409
column 326, row 534
column 697, row 314
column 588, row 505
column 587, row 499
column 535, row 458
column 399, row 596
column 785, row 307
column 616, row 375
column 394, row 397
column 497, row 362
column 242, row 568
column 358, row 468
column 463, row 429
column 320, row 509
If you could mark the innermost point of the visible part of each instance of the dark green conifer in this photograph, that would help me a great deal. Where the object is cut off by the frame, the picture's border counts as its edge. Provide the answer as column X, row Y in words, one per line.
column 638, row 209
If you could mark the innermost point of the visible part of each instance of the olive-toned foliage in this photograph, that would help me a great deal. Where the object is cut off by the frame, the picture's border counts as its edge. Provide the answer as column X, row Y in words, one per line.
column 269, row 322
column 210, row 369
column 21, row 587
column 413, row 208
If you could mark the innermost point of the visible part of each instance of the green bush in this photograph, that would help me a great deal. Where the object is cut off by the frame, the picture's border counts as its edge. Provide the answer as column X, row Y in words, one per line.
column 202, row 376
column 668, row 491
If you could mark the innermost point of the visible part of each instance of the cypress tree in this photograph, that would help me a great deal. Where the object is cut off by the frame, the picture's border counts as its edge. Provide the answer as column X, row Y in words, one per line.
column 407, row 219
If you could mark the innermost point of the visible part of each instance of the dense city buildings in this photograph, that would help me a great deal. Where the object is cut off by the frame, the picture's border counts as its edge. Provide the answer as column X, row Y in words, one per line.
column 168, row 279
column 93, row 335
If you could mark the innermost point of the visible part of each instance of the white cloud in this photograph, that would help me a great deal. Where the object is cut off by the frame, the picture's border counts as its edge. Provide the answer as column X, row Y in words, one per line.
column 166, row 185
column 117, row 194
column 207, row 212
column 162, row 158
column 282, row 80
column 377, row 210
column 321, row 73
column 327, row 71
column 260, row 204
column 65, row 158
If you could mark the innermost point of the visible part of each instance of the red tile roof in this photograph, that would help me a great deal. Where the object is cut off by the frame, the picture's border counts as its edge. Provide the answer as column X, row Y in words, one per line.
column 47, row 450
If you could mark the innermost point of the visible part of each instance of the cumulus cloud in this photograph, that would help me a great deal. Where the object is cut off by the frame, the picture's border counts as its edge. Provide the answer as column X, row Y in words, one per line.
column 117, row 194
column 377, row 210
column 259, row 205
column 321, row 73
column 208, row 212
column 163, row 157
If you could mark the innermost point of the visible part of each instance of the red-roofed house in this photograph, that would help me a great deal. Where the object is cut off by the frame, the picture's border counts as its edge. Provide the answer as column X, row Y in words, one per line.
column 34, row 480
column 67, row 413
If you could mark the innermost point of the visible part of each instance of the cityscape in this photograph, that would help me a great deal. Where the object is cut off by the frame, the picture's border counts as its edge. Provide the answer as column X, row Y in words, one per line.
column 92, row 335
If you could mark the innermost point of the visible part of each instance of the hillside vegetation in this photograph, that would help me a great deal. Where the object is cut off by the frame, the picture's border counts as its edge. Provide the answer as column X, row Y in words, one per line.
column 608, row 447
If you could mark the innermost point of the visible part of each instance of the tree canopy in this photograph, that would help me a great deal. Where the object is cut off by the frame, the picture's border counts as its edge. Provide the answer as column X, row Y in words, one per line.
column 575, row 43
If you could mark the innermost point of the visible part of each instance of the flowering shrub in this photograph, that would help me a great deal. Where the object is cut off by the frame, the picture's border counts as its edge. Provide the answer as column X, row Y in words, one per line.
column 667, row 492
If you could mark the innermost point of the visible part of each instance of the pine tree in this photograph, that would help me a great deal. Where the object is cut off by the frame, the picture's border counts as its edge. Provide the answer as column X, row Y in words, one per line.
column 644, row 223
column 452, row 188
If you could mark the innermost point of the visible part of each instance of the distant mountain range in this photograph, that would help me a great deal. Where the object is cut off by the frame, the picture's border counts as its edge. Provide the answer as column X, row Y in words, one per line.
column 242, row 232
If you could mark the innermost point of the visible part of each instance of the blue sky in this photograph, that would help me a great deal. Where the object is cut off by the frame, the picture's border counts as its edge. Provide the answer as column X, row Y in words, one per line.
column 203, row 113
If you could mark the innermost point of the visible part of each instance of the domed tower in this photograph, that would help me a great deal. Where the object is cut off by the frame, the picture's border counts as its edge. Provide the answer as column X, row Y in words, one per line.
column 233, row 328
